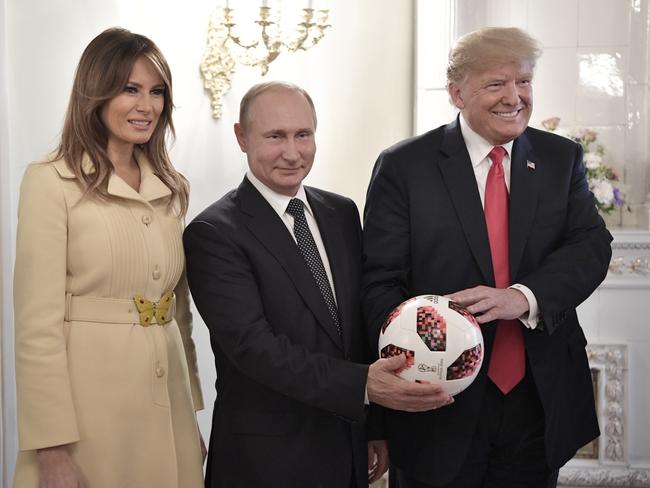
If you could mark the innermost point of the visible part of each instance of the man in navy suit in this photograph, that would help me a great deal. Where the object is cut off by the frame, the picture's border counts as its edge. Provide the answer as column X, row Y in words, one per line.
column 498, row 216
column 275, row 270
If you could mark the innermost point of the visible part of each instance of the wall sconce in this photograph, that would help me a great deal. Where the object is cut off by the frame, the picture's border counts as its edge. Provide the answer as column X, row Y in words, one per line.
column 229, row 43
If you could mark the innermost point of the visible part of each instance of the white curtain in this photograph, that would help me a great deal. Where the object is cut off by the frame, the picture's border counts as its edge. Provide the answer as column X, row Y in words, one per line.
column 355, row 65
column 8, row 434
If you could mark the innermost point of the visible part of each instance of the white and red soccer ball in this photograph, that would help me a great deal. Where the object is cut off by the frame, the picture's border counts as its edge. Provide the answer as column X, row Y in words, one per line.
column 442, row 342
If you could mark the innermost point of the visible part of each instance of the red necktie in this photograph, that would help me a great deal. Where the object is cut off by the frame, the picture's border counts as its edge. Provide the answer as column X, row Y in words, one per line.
column 507, row 363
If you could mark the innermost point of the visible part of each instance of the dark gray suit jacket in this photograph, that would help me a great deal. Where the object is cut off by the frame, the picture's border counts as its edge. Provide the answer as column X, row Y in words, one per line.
column 290, row 392
column 425, row 232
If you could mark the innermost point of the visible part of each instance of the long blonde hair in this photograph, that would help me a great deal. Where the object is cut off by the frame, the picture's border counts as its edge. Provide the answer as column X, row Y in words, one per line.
column 102, row 73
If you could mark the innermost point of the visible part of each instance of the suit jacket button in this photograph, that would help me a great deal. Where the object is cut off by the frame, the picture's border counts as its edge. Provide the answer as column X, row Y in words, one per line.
column 160, row 371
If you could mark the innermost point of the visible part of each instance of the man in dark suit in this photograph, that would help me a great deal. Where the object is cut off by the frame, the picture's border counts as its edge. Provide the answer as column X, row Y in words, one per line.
column 274, row 268
column 499, row 217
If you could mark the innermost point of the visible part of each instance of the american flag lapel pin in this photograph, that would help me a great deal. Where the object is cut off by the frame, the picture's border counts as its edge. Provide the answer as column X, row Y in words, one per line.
column 530, row 165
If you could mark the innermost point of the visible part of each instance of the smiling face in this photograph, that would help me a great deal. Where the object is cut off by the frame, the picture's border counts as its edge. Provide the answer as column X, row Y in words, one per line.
column 279, row 140
column 131, row 116
column 496, row 102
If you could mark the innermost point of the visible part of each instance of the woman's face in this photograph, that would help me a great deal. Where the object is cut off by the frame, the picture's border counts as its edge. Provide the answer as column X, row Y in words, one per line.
column 131, row 117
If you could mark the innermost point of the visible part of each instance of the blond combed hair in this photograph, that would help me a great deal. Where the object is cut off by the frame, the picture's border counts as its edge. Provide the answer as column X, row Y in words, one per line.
column 256, row 90
column 102, row 73
column 490, row 46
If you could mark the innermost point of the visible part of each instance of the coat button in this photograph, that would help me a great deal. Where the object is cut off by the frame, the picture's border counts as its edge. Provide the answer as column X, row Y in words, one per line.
column 146, row 219
column 156, row 274
column 160, row 371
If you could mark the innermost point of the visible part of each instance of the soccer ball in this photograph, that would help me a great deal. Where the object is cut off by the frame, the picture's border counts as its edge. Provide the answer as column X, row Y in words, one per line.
column 442, row 342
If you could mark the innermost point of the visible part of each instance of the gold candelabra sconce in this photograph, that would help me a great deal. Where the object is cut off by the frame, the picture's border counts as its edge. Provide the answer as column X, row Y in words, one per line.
column 257, row 43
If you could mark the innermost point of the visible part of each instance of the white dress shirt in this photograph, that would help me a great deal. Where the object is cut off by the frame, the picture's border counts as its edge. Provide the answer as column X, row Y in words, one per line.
column 279, row 203
column 478, row 149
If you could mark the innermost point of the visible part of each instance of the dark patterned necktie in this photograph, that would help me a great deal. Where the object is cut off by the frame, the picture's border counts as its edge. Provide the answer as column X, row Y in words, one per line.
column 507, row 363
column 310, row 252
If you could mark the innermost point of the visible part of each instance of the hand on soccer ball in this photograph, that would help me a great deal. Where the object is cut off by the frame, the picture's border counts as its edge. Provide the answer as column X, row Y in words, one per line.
column 488, row 304
column 389, row 390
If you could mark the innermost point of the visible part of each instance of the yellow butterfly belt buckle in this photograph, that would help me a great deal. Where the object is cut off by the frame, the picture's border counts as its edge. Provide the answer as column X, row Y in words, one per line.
column 149, row 310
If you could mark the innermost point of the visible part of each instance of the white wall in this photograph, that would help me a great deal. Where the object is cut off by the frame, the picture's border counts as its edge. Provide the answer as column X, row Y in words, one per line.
column 360, row 77
column 7, row 391
column 617, row 313
column 594, row 72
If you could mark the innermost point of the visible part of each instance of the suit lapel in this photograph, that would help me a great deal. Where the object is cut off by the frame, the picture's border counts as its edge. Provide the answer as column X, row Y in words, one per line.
column 329, row 228
column 271, row 232
column 524, row 192
column 458, row 174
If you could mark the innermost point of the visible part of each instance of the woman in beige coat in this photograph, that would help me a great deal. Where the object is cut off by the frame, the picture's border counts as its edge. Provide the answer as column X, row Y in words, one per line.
column 105, row 364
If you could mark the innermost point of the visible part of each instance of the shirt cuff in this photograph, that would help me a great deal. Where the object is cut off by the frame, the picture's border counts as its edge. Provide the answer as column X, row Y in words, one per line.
column 365, row 398
column 530, row 318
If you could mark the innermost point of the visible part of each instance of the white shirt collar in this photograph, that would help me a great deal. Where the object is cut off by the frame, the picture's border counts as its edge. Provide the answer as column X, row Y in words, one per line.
column 477, row 147
column 278, row 201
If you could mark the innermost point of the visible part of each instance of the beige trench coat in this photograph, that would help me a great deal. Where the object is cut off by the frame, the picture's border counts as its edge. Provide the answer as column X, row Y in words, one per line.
column 123, row 394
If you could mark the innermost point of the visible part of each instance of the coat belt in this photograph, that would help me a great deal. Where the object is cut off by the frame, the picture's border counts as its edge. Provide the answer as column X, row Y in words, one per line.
column 112, row 310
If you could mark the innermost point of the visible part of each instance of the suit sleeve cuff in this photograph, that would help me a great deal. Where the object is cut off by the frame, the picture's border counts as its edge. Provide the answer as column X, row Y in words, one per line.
column 531, row 318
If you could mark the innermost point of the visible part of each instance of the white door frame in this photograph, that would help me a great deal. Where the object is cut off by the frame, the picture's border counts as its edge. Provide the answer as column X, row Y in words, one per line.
column 8, row 432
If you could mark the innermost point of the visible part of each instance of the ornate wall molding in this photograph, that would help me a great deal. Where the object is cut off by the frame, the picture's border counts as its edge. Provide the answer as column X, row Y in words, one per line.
column 602, row 477
column 612, row 361
column 610, row 469
column 630, row 262
column 631, row 245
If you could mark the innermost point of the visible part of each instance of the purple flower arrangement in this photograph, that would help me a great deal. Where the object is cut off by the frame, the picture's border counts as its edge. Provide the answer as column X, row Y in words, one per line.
column 603, row 181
